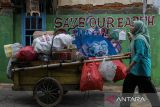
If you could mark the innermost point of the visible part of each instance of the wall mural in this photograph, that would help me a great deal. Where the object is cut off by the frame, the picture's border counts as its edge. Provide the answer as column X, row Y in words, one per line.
column 110, row 27
column 93, row 21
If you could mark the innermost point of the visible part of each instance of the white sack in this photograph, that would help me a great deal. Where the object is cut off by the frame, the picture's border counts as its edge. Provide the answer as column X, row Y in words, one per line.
column 61, row 41
column 43, row 44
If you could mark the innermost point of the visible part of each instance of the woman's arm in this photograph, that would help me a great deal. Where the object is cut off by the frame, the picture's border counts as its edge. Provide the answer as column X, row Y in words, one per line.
column 139, row 47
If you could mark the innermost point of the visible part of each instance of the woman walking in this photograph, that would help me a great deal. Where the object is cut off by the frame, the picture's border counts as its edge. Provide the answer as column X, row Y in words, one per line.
column 139, row 70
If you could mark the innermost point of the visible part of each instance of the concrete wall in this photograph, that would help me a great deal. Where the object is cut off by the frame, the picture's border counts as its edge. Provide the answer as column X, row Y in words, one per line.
column 104, row 7
column 154, row 30
column 17, row 28
column 97, row 2
column 10, row 32
column 6, row 37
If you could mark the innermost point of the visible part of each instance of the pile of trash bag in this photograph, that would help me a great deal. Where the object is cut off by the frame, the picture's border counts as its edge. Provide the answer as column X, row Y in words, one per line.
column 44, row 43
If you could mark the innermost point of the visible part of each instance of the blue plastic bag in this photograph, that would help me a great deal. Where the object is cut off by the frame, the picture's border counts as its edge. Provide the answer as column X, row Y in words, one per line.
column 92, row 45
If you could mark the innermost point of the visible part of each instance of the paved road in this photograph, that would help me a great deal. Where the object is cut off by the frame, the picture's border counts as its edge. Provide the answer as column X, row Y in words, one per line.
column 9, row 98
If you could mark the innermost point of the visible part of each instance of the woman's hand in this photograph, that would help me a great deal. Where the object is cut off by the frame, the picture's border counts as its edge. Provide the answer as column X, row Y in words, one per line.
column 130, row 66
column 128, row 70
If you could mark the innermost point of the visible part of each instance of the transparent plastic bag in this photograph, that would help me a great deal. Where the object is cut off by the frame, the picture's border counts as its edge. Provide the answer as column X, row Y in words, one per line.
column 107, row 70
column 15, row 49
column 12, row 49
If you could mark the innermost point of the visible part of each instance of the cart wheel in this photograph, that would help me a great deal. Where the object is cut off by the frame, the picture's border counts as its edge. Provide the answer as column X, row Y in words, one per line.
column 48, row 92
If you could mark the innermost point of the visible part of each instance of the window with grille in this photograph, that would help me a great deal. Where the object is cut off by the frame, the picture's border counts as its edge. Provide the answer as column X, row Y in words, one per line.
column 33, row 23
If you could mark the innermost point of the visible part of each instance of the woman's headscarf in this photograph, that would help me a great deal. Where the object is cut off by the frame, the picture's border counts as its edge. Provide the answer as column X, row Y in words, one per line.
column 141, row 29
column 140, row 32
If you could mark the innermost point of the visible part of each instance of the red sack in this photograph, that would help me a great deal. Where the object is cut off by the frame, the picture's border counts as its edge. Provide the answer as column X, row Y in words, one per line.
column 120, row 71
column 26, row 54
column 91, row 79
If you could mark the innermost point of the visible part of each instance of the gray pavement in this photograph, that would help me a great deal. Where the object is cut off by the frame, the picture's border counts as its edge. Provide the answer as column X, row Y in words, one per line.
column 9, row 98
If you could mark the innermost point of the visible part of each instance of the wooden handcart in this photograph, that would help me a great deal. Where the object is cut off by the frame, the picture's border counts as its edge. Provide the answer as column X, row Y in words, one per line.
column 49, row 80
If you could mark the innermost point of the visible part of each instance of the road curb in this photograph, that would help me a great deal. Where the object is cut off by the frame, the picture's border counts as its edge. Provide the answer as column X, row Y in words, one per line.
column 5, row 86
column 108, row 88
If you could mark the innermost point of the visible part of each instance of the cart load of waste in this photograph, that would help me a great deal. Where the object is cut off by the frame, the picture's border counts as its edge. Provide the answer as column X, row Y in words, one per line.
column 64, row 48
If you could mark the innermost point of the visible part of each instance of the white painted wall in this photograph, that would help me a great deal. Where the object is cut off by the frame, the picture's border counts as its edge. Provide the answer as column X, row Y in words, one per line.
column 97, row 2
